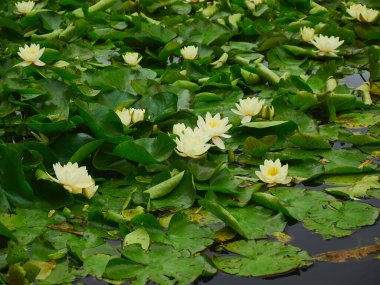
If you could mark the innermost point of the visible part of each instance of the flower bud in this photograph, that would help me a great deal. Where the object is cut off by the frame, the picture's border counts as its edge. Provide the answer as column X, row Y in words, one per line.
column 267, row 112
column 137, row 115
column 331, row 84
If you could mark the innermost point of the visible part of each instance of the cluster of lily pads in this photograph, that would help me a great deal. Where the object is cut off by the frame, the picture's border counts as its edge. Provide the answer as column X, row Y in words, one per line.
column 134, row 135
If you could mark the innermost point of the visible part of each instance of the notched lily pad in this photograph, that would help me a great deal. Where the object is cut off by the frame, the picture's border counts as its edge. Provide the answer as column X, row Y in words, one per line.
column 319, row 211
column 261, row 258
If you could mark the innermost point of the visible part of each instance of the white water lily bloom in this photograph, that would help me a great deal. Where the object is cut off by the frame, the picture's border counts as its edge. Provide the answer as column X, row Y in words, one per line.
column 74, row 179
column 215, row 127
column 272, row 172
column 31, row 55
column 132, row 58
column 137, row 115
column 368, row 15
column 125, row 116
column 24, row 7
column 178, row 129
column 355, row 10
column 189, row 52
column 248, row 108
column 192, row 143
column 327, row 45
column 307, row 34
column 362, row 13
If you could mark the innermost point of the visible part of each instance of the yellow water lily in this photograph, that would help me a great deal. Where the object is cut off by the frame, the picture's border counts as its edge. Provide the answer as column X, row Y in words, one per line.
column 215, row 127
column 362, row 13
column 74, row 179
column 31, row 55
column 192, row 143
column 307, row 34
column 132, row 58
column 272, row 172
column 248, row 108
column 24, row 7
column 189, row 52
column 327, row 45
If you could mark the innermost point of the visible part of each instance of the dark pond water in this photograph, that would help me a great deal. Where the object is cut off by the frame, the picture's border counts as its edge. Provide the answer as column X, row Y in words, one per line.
column 365, row 271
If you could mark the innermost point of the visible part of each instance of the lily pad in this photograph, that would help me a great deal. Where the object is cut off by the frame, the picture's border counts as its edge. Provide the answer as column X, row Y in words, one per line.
column 262, row 258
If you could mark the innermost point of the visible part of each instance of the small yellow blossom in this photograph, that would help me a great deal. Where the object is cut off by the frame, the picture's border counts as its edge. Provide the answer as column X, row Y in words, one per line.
column 273, row 173
column 189, row 52
column 327, row 45
column 215, row 128
column 248, row 108
column 132, row 58
column 307, row 34
column 74, row 179
column 192, row 143
column 24, row 7
column 31, row 55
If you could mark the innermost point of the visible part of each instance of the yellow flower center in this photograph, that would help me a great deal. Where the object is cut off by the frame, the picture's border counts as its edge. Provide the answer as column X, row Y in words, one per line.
column 273, row 171
column 213, row 124
column 32, row 51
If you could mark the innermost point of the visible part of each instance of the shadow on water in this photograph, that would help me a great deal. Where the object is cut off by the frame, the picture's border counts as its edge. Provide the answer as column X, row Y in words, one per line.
column 365, row 271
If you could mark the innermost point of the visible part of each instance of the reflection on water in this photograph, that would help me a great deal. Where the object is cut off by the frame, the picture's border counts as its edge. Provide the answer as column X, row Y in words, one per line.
column 355, row 80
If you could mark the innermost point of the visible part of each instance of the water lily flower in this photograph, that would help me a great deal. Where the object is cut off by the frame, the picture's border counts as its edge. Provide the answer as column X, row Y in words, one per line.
column 192, row 143
column 272, row 172
column 24, row 7
column 248, row 108
column 215, row 127
column 307, row 34
column 31, row 55
column 137, row 115
column 74, row 179
column 362, row 13
column 125, row 116
column 189, row 52
column 132, row 58
column 178, row 129
column 355, row 10
column 368, row 15
column 327, row 45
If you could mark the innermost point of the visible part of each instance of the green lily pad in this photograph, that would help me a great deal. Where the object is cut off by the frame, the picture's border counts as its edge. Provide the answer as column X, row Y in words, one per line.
column 319, row 211
column 262, row 258
column 162, row 264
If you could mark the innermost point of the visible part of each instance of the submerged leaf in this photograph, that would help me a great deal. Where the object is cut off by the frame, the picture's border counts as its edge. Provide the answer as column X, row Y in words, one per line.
column 340, row 256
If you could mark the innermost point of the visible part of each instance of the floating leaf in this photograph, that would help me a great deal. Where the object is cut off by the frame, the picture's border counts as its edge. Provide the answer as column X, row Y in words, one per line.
column 357, row 189
column 165, row 187
column 319, row 211
column 261, row 258
column 250, row 222
column 162, row 264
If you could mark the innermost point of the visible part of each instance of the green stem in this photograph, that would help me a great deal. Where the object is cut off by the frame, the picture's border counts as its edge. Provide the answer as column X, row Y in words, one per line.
column 267, row 74
column 101, row 5
column 366, row 96
column 49, row 36
column 300, row 51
